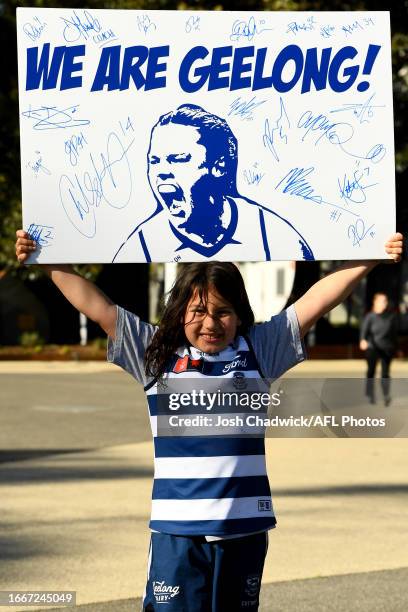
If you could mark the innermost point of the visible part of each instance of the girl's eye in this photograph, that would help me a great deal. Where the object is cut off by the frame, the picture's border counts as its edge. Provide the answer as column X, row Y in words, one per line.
column 201, row 312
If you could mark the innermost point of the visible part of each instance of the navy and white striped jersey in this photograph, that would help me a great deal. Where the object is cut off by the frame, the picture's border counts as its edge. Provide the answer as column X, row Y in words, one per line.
column 210, row 485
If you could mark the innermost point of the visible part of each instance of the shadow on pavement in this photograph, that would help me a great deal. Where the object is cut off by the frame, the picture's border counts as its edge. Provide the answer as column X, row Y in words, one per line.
column 360, row 489
column 102, row 468
column 28, row 475
column 383, row 591
column 8, row 456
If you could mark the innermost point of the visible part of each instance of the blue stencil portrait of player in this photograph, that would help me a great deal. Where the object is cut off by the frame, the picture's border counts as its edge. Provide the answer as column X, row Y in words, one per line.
column 192, row 164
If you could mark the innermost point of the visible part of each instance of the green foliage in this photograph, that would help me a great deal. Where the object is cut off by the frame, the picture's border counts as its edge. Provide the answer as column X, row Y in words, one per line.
column 99, row 344
column 31, row 339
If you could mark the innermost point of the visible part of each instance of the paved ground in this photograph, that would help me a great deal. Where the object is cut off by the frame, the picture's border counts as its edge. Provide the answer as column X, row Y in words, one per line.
column 75, row 482
column 367, row 592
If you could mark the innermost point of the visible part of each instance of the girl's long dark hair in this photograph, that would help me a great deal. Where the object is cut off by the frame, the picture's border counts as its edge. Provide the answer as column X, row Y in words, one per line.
column 227, row 281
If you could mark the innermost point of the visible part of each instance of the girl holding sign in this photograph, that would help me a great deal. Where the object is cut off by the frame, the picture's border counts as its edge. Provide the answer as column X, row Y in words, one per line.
column 212, row 507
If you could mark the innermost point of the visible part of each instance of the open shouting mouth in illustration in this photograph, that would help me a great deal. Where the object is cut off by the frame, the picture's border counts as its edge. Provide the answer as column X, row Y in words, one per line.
column 173, row 197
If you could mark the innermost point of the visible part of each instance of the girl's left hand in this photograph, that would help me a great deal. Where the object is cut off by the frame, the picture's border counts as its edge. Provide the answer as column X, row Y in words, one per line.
column 395, row 247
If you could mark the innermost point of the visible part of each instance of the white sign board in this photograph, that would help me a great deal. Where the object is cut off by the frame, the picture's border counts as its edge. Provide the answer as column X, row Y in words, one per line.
column 185, row 136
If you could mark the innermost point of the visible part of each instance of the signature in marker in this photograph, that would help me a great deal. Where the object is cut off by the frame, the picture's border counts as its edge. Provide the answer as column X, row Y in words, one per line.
column 38, row 165
column 357, row 232
column 77, row 26
column 362, row 111
column 244, row 109
column 248, row 29
column 353, row 189
column 52, row 117
column 275, row 132
column 41, row 234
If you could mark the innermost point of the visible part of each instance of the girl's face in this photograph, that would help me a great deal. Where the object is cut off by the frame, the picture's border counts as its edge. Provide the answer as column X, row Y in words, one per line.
column 210, row 327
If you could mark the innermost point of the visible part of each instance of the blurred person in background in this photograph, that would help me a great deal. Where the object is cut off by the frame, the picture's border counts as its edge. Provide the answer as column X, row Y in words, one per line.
column 378, row 340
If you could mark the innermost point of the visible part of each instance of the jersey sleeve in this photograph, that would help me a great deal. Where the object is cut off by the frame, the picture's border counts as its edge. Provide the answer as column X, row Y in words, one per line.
column 133, row 336
column 277, row 343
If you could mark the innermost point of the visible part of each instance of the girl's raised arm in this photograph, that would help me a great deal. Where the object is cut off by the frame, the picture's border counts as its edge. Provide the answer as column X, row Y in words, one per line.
column 81, row 293
column 335, row 287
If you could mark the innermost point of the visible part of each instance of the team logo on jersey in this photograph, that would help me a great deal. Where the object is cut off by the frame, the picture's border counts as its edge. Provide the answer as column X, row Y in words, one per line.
column 163, row 593
column 239, row 380
column 186, row 364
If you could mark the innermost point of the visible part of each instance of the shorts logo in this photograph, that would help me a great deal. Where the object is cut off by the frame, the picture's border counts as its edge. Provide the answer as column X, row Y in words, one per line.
column 163, row 593
column 264, row 505
column 252, row 586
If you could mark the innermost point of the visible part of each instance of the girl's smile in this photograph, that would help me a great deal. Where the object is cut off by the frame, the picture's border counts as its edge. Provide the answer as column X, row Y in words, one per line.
column 212, row 325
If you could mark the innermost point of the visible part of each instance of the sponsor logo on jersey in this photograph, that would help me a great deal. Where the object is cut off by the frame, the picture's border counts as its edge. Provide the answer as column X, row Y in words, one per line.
column 237, row 363
column 264, row 505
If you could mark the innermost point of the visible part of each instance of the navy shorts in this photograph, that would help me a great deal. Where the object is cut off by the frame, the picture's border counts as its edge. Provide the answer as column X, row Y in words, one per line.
column 189, row 574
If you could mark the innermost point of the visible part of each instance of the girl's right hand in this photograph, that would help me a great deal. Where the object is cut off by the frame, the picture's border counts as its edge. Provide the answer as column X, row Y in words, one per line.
column 24, row 246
